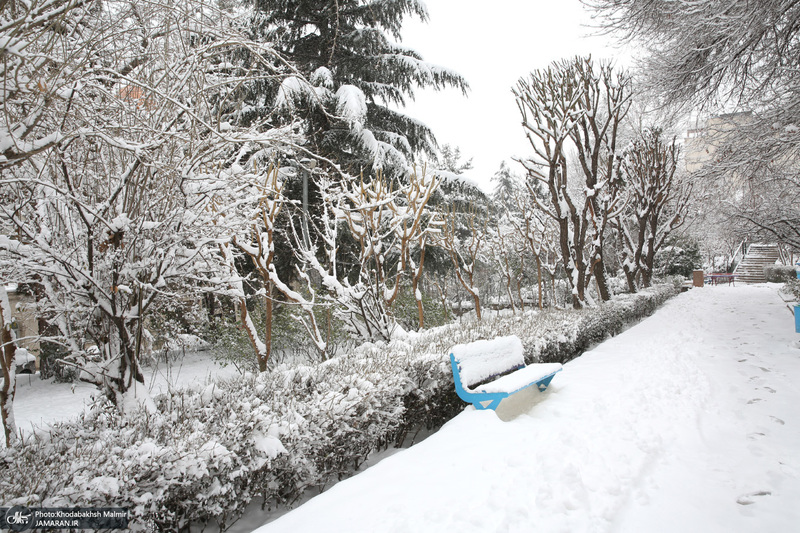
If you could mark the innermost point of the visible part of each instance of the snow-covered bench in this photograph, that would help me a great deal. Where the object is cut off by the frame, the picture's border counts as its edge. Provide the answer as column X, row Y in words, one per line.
column 487, row 371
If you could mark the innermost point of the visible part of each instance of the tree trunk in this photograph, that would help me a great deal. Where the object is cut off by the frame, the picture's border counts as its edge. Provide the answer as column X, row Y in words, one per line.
column 264, row 358
column 630, row 277
column 415, row 279
column 600, row 277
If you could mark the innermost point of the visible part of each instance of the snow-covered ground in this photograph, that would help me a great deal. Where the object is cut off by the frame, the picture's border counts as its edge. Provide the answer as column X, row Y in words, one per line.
column 39, row 402
column 689, row 421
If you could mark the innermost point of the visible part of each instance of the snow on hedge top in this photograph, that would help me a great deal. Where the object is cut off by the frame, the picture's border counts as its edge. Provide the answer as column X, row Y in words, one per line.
column 480, row 360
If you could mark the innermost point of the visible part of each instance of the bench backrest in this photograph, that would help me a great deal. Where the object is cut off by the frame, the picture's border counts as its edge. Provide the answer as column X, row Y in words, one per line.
column 481, row 360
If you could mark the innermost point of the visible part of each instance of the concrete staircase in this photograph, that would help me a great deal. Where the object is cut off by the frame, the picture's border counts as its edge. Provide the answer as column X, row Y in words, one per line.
column 751, row 268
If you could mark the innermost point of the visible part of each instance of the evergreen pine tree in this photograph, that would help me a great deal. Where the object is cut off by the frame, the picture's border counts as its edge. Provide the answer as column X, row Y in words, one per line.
column 346, row 50
column 507, row 187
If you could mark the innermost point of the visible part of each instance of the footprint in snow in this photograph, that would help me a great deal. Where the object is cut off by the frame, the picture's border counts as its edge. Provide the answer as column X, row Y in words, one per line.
column 754, row 436
column 755, row 400
column 751, row 498
column 777, row 420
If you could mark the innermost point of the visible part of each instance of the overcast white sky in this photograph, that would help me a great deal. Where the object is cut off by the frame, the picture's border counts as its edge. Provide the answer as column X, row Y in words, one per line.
column 493, row 44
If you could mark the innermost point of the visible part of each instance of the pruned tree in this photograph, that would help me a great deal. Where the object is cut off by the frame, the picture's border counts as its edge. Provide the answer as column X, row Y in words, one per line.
column 507, row 252
column 389, row 226
column 541, row 240
column 245, row 216
column 548, row 102
column 417, row 197
column 572, row 103
column 659, row 200
column 465, row 248
column 605, row 100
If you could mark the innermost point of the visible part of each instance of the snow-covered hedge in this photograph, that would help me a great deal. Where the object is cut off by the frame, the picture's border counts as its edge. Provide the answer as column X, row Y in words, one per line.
column 779, row 273
column 204, row 454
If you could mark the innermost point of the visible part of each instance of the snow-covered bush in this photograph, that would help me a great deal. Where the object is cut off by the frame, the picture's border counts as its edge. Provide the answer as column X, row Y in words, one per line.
column 231, row 346
column 203, row 454
column 792, row 287
column 779, row 273
column 677, row 260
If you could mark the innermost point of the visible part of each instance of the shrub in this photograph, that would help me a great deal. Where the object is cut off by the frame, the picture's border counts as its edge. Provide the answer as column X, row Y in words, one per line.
column 677, row 260
column 779, row 273
column 792, row 287
column 232, row 346
column 206, row 452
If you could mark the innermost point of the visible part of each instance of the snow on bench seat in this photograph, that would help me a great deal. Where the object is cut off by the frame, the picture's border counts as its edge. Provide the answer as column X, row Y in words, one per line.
column 475, row 365
column 520, row 379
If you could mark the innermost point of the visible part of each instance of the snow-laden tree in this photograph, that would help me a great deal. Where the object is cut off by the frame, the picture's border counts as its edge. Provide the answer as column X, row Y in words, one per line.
column 359, row 74
column 575, row 104
column 712, row 50
column 106, row 220
column 37, row 79
column 450, row 160
column 657, row 205
column 464, row 237
column 392, row 229
column 245, row 211
column 722, row 56
column 540, row 235
column 604, row 103
column 507, row 251
column 508, row 186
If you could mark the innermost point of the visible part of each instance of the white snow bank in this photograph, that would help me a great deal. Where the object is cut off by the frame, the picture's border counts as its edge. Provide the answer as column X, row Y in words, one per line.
column 687, row 421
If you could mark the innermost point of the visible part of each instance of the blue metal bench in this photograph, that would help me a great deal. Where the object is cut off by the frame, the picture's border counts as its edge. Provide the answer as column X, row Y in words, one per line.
column 487, row 371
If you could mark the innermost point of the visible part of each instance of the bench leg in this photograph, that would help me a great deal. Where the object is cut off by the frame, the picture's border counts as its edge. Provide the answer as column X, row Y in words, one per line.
column 489, row 404
column 544, row 383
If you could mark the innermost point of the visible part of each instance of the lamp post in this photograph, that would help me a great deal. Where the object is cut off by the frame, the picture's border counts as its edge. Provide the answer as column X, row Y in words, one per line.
column 307, row 165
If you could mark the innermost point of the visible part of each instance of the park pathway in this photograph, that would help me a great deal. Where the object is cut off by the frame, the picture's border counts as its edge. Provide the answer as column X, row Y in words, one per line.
column 688, row 421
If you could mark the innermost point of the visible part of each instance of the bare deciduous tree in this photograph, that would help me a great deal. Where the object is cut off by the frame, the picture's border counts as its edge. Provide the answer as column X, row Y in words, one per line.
column 465, row 249
column 723, row 56
column 104, row 219
column 657, row 206
column 573, row 103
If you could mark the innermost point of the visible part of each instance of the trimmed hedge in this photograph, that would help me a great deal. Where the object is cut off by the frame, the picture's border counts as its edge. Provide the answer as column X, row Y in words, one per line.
column 207, row 452
column 779, row 273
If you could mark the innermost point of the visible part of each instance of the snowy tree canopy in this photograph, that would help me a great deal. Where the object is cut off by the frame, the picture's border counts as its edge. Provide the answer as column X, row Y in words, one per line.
column 346, row 48
column 724, row 56
column 105, row 220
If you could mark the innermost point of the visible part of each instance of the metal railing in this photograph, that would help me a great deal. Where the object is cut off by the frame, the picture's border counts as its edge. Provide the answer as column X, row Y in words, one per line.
column 739, row 255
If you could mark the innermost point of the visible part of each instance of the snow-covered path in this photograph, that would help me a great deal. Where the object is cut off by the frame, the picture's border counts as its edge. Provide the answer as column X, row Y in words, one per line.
column 689, row 421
